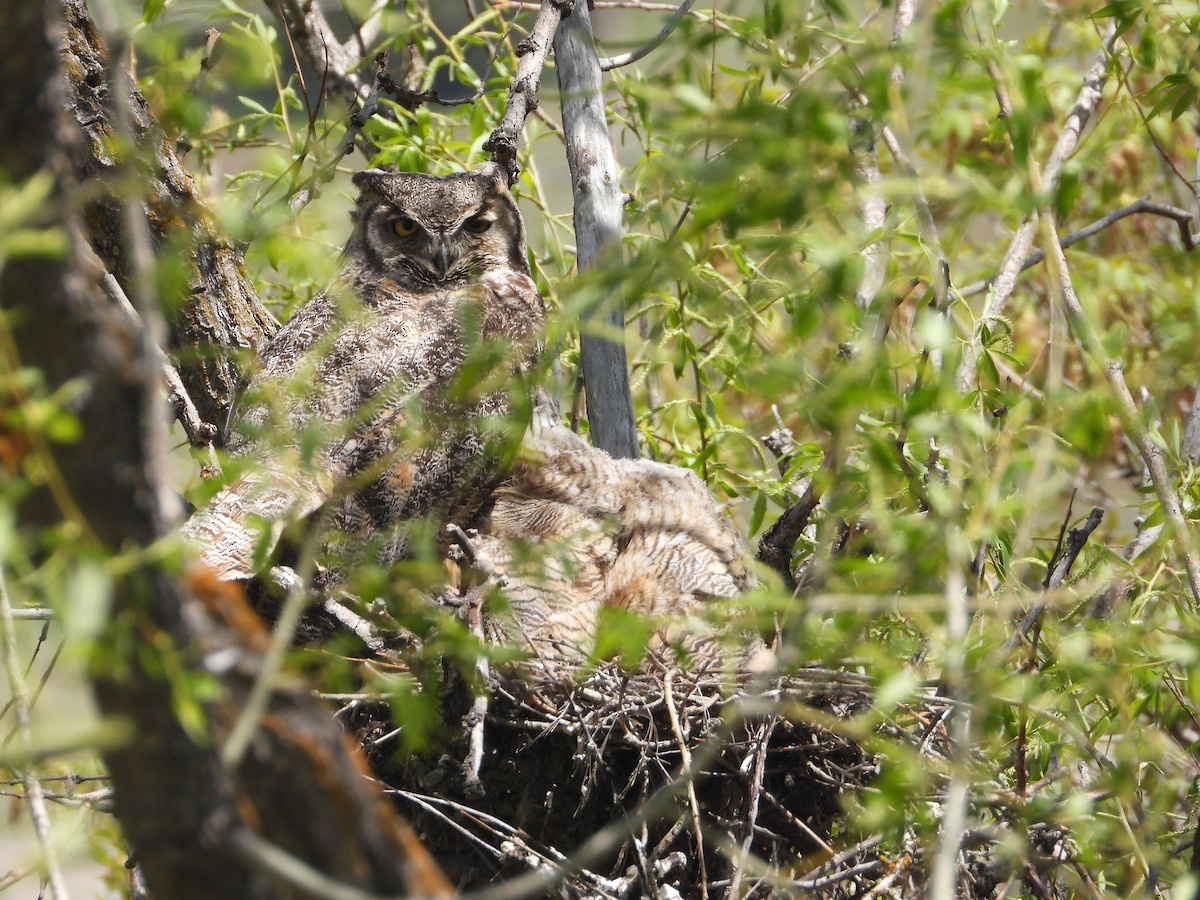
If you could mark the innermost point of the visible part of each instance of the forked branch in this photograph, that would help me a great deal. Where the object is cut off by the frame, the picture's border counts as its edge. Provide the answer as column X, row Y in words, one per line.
column 522, row 95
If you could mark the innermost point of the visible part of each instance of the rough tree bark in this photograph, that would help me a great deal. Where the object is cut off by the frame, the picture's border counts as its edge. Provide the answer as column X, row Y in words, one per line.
column 598, row 201
column 222, row 313
column 199, row 829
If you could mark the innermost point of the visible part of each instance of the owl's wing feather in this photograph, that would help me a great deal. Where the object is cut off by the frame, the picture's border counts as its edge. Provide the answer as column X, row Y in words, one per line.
column 243, row 522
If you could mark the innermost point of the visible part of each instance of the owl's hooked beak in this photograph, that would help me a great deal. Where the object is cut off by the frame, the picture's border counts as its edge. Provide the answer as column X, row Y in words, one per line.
column 441, row 258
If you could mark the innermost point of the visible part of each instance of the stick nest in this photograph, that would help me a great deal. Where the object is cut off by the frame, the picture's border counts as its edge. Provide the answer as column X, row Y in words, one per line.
column 605, row 761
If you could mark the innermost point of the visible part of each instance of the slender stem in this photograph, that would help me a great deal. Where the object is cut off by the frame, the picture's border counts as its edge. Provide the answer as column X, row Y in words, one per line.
column 1068, row 140
column 624, row 59
column 38, row 811
column 1145, row 205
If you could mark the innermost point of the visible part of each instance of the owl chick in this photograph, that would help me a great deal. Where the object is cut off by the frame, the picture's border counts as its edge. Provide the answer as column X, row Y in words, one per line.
column 573, row 531
column 434, row 281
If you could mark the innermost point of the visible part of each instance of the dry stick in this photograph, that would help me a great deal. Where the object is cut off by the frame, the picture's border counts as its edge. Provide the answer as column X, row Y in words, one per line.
column 685, row 756
column 1006, row 277
column 624, row 59
column 1145, row 205
column 1055, row 573
column 522, row 96
column 1131, row 423
column 756, row 780
column 598, row 203
column 39, row 813
column 199, row 432
column 37, row 614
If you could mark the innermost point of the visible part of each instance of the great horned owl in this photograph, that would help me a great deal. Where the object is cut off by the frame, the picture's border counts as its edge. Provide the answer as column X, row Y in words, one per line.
column 434, row 313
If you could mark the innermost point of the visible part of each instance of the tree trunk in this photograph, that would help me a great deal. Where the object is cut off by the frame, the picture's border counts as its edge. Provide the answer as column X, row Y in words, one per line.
column 181, row 653
column 598, row 202
column 222, row 312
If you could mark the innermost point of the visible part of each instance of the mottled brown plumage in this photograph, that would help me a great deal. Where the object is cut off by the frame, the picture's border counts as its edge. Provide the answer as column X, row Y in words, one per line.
column 356, row 408
column 357, row 418
column 572, row 530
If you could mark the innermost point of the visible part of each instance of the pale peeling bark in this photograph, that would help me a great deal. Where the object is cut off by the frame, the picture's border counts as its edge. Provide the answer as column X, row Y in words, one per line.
column 598, row 201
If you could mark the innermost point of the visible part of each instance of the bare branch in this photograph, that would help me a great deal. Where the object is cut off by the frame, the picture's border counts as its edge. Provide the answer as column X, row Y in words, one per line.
column 319, row 49
column 1145, row 205
column 706, row 18
column 1068, row 139
column 38, row 811
column 1058, row 569
column 199, row 432
column 598, row 205
column 35, row 614
column 777, row 543
column 522, row 96
column 615, row 62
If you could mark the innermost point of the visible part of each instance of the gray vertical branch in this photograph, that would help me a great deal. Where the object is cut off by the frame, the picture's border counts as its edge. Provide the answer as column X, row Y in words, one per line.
column 597, row 201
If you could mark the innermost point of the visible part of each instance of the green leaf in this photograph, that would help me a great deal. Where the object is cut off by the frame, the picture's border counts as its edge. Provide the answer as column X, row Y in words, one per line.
column 152, row 9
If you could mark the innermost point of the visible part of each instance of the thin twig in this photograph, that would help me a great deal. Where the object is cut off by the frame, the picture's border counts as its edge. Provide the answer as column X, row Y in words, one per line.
column 1055, row 573
column 39, row 814
column 199, row 432
column 1164, row 486
column 1068, row 140
column 1127, row 413
column 359, row 117
column 34, row 613
column 608, row 63
column 756, row 781
column 1145, row 205
column 522, row 96
column 686, row 756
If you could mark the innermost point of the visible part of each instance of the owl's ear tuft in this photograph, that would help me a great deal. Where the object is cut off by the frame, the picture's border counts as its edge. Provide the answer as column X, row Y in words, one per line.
column 370, row 181
column 495, row 173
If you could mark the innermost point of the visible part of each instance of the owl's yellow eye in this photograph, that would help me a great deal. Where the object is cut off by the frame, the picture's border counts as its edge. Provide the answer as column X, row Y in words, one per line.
column 477, row 224
column 404, row 226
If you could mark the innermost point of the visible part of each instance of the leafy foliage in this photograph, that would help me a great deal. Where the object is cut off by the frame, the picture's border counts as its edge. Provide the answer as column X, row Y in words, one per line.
column 747, row 138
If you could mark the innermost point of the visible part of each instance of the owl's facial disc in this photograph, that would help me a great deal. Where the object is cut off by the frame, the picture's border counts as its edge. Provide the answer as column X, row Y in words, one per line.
column 443, row 253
